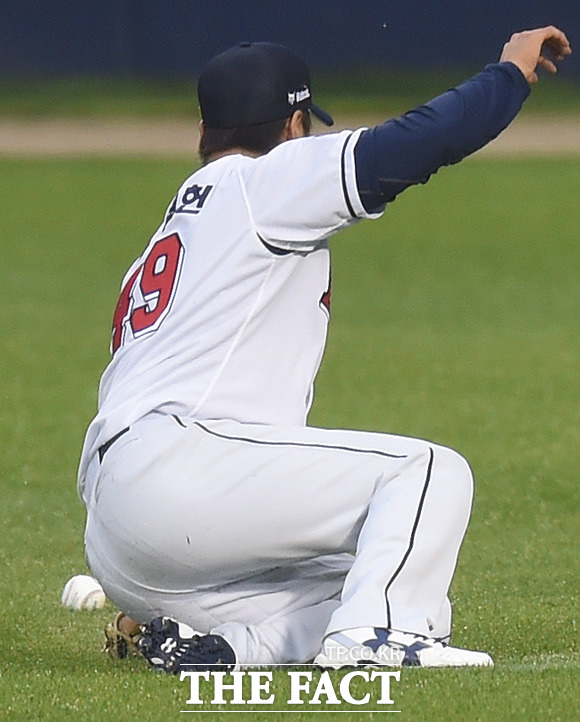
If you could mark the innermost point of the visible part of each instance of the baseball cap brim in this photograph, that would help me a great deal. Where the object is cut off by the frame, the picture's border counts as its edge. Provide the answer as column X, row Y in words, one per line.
column 321, row 114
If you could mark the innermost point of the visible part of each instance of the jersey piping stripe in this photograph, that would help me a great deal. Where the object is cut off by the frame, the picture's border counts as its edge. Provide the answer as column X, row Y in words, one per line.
column 343, row 178
column 102, row 450
column 412, row 537
column 305, row 444
column 274, row 249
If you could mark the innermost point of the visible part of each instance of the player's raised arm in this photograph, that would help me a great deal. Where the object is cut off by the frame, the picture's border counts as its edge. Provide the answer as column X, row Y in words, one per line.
column 408, row 150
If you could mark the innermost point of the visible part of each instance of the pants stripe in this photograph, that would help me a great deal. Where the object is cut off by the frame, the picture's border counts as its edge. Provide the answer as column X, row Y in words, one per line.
column 266, row 442
column 412, row 537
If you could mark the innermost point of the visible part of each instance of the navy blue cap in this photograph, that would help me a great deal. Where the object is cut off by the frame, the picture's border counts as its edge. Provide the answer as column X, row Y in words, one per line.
column 255, row 83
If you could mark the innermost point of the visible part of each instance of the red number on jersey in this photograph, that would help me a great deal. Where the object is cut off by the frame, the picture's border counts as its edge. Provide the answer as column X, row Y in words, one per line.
column 157, row 283
column 122, row 310
column 159, row 275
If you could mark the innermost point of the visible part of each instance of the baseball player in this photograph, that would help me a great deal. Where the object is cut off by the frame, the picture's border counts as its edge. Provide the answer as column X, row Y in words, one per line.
column 226, row 529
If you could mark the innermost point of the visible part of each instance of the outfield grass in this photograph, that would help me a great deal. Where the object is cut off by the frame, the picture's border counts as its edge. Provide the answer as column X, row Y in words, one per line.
column 380, row 91
column 454, row 318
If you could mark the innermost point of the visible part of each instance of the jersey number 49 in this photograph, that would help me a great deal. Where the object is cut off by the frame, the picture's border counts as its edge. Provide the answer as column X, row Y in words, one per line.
column 147, row 296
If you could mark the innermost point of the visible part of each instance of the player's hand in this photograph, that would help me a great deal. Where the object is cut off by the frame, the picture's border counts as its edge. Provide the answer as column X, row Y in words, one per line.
column 529, row 49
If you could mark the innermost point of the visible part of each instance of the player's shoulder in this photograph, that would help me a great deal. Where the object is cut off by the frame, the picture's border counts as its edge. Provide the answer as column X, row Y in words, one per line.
column 317, row 151
column 312, row 145
column 301, row 156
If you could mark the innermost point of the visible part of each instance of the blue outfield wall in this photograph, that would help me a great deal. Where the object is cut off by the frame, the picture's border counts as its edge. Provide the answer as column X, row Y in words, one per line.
column 175, row 37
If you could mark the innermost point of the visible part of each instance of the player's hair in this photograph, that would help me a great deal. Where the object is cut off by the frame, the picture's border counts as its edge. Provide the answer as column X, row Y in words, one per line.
column 259, row 138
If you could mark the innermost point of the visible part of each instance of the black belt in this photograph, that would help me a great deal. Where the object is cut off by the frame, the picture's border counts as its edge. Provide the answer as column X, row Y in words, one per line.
column 107, row 445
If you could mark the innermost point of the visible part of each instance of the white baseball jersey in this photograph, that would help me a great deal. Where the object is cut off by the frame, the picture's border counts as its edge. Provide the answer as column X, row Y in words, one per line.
column 225, row 314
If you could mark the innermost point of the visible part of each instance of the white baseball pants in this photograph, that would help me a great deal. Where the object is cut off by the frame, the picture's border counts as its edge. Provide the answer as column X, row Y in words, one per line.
column 276, row 537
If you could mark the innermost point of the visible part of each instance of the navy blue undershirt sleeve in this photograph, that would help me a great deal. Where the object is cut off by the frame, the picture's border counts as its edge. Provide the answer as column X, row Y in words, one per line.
column 408, row 150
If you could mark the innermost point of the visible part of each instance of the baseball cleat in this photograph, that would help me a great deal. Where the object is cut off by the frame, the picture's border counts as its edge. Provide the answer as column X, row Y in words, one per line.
column 376, row 647
column 173, row 647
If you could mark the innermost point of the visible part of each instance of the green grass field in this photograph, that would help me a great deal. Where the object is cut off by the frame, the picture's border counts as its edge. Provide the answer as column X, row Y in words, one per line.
column 455, row 317
column 380, row 91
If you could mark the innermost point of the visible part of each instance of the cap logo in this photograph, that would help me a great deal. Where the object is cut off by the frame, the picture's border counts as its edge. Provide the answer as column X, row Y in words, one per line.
column 298, row 96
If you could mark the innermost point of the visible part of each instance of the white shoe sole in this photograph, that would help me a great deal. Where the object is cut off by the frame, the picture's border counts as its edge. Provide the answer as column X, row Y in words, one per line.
column 419, row 653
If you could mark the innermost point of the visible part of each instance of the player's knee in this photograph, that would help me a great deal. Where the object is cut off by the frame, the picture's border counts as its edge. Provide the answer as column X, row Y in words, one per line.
column 455, row 471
